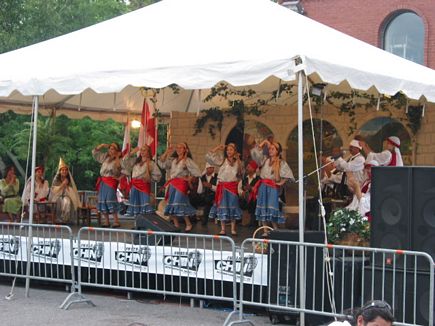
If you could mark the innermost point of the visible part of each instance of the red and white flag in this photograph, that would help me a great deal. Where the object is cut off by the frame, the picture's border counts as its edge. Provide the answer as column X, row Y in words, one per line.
column 147, row 131
column 126, row 143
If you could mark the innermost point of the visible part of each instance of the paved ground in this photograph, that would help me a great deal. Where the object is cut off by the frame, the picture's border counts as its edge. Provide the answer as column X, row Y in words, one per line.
column 41, row 308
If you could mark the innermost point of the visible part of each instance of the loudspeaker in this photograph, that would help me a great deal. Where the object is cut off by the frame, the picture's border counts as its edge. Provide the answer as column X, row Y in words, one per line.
column 422, row 218
column 153, row 222
column 398, row 288
column 284, row 272
column 403, row 210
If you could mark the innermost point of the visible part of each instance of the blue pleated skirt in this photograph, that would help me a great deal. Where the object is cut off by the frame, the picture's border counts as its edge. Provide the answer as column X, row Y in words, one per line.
column 139, row 203
column 107, row 201
column 228, row 209
column 267, row 209
column 178, row 204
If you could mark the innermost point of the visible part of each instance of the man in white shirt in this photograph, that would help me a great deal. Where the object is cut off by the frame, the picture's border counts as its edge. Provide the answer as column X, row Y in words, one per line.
column 354, row 164
column 390, row 156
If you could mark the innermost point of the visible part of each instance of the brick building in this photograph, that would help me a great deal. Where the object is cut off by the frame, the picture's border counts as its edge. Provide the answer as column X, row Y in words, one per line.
column 369, row 21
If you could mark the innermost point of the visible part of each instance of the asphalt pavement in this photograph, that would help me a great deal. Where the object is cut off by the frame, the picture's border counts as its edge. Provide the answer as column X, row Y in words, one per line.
column 112, row 308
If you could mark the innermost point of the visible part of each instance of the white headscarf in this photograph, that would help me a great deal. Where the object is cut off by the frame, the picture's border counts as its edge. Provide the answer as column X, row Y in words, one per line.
column 396, row 142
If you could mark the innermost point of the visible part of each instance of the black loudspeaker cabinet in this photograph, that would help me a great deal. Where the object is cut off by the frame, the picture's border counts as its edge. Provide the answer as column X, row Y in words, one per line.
column 284, row 273
column 398, row 289
column 403, row 211
column 153, row 222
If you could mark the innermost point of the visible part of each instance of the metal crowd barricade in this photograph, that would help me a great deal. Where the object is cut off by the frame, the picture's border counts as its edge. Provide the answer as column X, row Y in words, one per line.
column 47, row 251
column 338, row 280
column 188, row 265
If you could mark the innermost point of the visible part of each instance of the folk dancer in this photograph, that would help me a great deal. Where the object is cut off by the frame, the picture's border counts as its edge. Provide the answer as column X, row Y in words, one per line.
column 143, row 172
column 226, row 203
column 107, row 184
column 182, row 168
column 274, row 173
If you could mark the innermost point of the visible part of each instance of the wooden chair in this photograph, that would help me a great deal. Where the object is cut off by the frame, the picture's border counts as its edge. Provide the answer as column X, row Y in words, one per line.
column 88, row 209
column 45, row 211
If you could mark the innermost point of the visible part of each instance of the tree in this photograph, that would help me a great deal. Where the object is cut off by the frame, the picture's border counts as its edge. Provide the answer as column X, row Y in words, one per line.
column 25, row 22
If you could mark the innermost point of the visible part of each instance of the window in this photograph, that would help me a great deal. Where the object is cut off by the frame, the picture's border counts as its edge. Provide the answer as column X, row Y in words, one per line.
column 404, row 36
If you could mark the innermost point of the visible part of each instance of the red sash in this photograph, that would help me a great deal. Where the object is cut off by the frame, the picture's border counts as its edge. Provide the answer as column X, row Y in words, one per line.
column 221, row 186
column 124, row 185
column 267, row 182
column 393, row 161
column 365, row 187
column 178, row 183
column 110, row 181
column 141, row 185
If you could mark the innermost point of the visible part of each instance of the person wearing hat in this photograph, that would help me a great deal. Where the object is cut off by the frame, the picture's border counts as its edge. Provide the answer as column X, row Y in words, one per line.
column 107, row 184
column 64, row 194
column 9, row 188
column 143, row 171
column 42, row 188
column 226, row 202
column 361, row 197
column 246, row 186
column 207, row 190
column 274, row 173
column 182, row 169
column 353, row 165
column 391, row 155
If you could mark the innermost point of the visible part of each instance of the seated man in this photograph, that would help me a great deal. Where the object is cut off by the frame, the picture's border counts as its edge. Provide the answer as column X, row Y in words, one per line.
column 361, row 197
column 207, row 189
column 246, row 185
column 354, row 164
column 330, row 177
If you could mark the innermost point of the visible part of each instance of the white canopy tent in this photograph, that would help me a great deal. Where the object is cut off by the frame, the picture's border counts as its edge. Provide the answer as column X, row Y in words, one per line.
column 196, row 44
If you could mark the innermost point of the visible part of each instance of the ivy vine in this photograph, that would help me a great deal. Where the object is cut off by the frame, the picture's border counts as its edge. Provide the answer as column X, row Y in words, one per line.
column 214, row 116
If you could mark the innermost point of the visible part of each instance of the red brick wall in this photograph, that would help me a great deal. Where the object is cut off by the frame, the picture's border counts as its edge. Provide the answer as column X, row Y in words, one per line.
column 363, row 19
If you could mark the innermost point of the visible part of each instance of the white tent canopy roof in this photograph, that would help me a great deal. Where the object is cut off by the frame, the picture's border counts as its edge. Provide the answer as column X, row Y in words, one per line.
column 196, row 44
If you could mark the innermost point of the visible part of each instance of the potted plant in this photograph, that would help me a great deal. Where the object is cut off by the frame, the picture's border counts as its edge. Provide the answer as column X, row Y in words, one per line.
column 348, row 227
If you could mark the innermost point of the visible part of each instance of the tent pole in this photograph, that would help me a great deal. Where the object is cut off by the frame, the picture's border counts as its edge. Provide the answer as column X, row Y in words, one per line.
column 32, row 192
column 300, row 76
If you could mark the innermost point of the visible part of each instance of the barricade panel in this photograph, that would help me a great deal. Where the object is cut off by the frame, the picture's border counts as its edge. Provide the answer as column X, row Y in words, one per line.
column 48, row 251
column 195, row 266
column 339, row 279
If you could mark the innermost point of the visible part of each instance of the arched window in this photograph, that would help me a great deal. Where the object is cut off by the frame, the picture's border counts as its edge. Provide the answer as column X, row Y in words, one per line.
column 376, row 130
column 404, row 36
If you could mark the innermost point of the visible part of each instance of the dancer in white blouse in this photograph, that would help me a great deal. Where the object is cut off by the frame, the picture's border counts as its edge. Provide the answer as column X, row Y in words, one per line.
column 274, row 173
column 226, row 204
column 181, row 168
column 143, row 171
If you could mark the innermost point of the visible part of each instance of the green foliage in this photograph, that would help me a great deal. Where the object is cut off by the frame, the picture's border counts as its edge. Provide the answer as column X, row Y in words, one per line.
column 343, row 221
column 25, row 22
column 414, row 116
column 237, row 108
column 73, row 140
